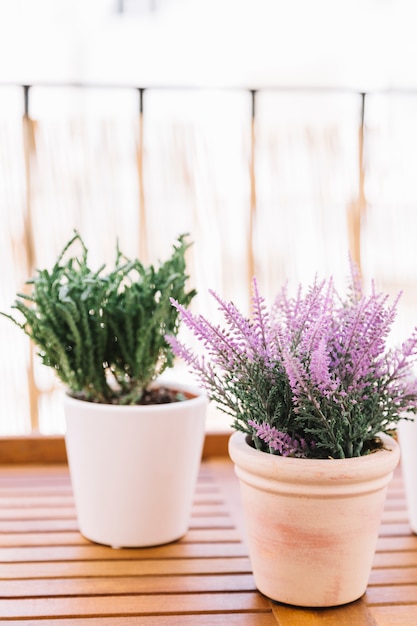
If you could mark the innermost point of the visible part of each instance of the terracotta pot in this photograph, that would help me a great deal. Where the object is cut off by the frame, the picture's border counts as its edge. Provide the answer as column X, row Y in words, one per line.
column 407, row 432
column 134, row 468
column 312, row 525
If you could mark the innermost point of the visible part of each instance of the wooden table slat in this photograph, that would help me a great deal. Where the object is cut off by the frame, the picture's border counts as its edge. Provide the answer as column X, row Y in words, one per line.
column 395, row 615
column 70, row 524
column 202, row 619
column 126, row 585
column 134, row 605
column 389, row 594
column 396, row 575
column 349, row 615
column 68, row 512
column 32, row 539
column 99, row 553
column 137, row 567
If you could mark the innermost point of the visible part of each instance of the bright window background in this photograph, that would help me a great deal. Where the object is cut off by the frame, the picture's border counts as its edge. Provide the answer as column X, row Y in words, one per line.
column 280, row 201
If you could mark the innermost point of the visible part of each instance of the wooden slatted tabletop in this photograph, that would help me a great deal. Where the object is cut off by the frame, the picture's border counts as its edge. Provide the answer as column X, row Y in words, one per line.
column 50, row 574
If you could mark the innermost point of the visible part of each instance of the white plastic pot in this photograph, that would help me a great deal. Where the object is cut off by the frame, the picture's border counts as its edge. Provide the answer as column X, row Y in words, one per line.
column 312, row 525
column 407, row 434
column 134, row 468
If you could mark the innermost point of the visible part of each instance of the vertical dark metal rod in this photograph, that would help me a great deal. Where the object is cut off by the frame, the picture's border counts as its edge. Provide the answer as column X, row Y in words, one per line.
column 252, row 208
column 363, row 97
column 26, row 89
column 141, row 92
column 143, row 244
column 253, row 109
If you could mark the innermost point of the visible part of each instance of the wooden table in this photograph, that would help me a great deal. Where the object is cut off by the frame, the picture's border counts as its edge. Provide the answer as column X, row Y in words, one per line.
column 49, row 574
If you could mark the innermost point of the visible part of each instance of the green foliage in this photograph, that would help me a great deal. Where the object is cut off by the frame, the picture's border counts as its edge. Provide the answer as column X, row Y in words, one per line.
column 104, row 332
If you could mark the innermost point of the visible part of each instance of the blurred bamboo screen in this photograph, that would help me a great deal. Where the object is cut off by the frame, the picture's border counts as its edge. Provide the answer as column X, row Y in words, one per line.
column 278, row 183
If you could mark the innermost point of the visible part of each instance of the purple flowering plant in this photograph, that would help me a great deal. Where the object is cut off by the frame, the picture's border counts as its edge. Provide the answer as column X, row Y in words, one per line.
column 312, row 375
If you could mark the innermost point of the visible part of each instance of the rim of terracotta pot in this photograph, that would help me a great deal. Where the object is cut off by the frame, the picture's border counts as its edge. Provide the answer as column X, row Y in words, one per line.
column 271, row 472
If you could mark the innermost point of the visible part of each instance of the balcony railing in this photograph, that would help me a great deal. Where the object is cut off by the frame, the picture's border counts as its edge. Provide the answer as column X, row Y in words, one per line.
column 281, row 183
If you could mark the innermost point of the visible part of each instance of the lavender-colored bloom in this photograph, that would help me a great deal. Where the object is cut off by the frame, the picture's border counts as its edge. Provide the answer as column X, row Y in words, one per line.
column 279, row 442
column 315, row 365
column 326, row 381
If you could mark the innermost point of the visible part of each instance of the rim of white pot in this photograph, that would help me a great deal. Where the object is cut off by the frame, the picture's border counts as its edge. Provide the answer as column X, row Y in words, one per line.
column 335, row 475
column 194, row 396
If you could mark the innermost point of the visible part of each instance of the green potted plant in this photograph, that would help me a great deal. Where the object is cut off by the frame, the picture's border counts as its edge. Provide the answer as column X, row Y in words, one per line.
column 314, row 393
column 103, row 333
